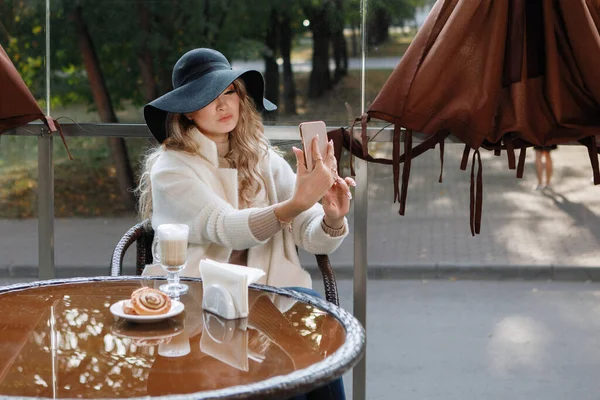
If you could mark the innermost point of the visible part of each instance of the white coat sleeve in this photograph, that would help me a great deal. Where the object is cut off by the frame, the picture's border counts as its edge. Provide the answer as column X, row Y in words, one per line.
column 180, row 196
column 306, row 227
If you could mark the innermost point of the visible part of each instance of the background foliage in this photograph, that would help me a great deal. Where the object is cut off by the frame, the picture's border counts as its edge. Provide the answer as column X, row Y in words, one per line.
column 135, row 44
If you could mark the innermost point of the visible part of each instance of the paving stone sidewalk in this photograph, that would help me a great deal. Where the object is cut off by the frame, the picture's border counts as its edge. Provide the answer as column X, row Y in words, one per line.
column 553, row 234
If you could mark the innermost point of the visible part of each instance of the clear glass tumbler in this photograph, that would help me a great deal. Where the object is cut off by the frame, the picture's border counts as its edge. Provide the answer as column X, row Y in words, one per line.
column 170, row 249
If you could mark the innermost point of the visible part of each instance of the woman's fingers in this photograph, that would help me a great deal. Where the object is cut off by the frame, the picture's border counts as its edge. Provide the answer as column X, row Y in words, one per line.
column 330, row 150
column 316, row 152
column 300, row 166
column 343, row 186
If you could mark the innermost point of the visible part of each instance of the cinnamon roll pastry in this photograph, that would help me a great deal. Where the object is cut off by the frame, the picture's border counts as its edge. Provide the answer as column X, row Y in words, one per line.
column 128, row 308
column 148, row 301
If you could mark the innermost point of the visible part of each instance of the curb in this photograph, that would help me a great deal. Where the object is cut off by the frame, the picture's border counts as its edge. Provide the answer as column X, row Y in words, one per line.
column 526, row 272
column 450, row 272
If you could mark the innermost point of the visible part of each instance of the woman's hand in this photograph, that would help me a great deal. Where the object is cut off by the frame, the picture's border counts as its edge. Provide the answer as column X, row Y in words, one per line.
column 336, row 202
column 322, row 182
column 311, row 186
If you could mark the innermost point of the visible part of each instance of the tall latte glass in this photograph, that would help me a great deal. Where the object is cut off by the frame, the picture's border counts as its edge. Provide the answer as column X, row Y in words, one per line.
column 170, row 248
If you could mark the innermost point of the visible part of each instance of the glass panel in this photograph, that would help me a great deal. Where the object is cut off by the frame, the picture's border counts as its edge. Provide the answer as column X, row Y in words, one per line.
column 520, row 226
column 22, row 35
column 91, row 212
column 18, row 207
column 391, row 27
column 107, row 70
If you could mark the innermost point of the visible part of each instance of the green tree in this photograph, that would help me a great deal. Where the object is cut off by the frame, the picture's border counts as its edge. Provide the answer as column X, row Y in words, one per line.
column 320, row 14
column 107, row 53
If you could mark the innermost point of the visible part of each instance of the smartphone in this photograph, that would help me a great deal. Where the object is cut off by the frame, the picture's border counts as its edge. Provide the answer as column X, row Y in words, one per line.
column 308, row 130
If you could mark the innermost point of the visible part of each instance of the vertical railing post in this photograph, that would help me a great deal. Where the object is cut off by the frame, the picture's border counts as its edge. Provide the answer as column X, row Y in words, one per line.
column 46, row 181
column 359, row 374
column 45, row 206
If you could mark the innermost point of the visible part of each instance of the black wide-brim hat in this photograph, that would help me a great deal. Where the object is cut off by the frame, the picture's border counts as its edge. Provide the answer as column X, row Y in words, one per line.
column 199, row 77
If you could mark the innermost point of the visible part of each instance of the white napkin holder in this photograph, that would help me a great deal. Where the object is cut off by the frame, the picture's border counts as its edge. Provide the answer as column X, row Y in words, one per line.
column 225, row 288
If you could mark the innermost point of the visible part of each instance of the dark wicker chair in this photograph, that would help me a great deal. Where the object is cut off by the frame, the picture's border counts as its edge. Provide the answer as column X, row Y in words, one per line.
column 142, row 234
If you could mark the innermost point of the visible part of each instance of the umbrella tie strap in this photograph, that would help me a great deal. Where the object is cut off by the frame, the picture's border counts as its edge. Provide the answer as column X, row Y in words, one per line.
column 442, row 142
column 54, row 126
column 363, row 125
column 406, row 169
column 352, row 172
column 521, row 165
column 465, row 157
column 510, row 151
column 592, row 146
column 396, row 160
column 476, row 198
column 594, row 158
column 593, row 152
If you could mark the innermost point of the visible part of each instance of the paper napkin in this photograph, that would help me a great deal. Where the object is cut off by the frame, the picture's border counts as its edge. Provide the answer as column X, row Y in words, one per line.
column 225, row 288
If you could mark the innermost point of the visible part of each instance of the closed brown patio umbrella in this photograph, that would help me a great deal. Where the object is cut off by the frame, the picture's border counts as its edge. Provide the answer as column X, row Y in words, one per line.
column 497, row 74
column 17, row 105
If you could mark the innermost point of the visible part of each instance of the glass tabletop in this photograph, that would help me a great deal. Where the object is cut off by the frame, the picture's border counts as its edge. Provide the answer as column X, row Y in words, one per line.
column 61, row 341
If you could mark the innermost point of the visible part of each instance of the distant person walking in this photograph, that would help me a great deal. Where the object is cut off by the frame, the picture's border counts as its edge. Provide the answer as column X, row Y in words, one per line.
column 543, row 164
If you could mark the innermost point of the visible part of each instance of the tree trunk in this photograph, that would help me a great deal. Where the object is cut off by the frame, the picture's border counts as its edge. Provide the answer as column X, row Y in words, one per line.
column 340, row 55
column 378, row 27
column 144, row 57
column 320, row 78
column 355, row 40
column 4, row 33
column 271, row 67
column 289, row 87
column 9, row 18
column 105, row 109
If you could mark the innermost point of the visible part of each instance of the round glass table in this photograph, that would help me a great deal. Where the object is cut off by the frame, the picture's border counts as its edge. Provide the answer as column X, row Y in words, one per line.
column 58, row 339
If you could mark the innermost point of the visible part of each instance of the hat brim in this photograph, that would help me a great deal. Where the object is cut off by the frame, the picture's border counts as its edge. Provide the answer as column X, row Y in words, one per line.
column 199, row 93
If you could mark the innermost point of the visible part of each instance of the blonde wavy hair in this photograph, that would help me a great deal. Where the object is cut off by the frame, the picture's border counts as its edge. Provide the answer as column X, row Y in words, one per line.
column 247, row 144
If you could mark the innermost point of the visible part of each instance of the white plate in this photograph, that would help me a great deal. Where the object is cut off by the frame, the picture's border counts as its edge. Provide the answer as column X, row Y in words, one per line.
column 117, row 310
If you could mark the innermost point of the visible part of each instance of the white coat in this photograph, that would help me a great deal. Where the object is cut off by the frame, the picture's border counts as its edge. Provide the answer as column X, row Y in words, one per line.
column 193, row 190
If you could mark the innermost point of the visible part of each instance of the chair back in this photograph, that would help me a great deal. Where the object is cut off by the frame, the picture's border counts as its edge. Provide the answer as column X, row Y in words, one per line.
column 142, row 235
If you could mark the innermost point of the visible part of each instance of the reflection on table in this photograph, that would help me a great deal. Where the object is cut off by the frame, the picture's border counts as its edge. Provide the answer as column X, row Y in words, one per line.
column 61, row 341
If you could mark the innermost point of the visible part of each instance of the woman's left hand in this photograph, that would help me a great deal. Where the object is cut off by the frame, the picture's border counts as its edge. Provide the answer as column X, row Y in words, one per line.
column 336, row 202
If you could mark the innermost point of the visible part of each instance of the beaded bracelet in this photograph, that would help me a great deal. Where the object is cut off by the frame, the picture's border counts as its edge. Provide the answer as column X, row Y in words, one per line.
column 285, row 225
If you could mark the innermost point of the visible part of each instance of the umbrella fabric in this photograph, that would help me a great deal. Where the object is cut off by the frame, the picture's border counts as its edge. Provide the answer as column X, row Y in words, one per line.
column 17, row 105
column 502, row 75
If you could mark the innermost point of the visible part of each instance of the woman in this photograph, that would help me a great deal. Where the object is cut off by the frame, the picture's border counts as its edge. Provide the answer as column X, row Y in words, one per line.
column 215, row 171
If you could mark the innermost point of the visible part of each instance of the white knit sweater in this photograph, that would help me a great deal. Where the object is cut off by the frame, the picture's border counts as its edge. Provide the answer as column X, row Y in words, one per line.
column 193, row 190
